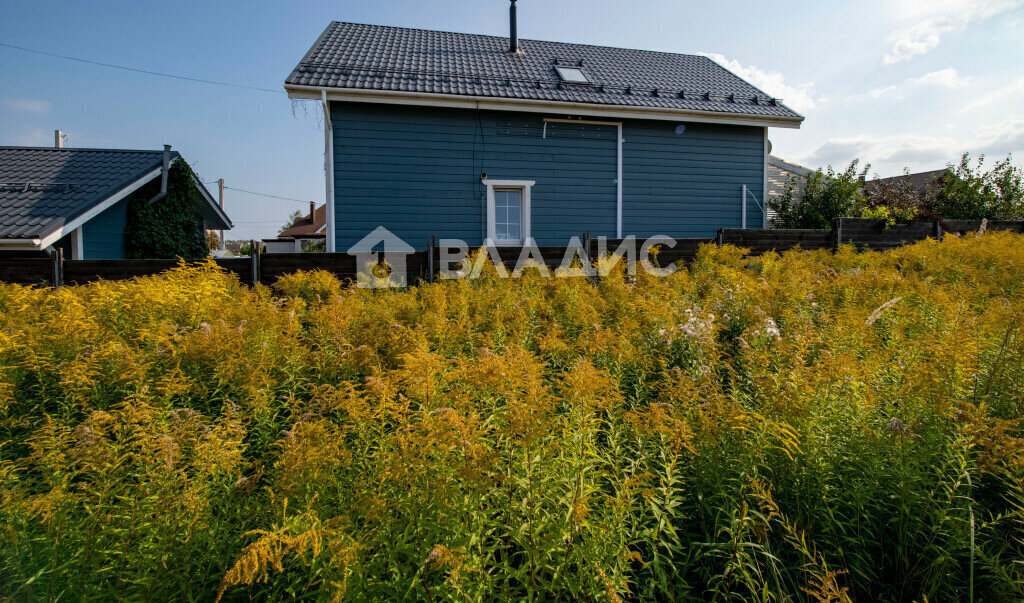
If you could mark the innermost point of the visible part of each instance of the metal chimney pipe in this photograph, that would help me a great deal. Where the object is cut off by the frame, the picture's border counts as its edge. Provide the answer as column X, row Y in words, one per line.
column 513, row 33
column 163, row 175
column 58, row 139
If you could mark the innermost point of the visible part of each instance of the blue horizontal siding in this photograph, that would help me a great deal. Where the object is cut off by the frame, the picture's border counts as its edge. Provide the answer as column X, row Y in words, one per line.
column 689, row 185
column 416, row 171
column 103, row 235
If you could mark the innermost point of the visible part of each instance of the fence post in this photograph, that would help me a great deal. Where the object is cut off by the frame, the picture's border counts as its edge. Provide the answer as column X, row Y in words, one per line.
column 938, row 231
column 253, row 268
column 58, row 260
column 430, row 258
column 839, row 232
column 719, row 238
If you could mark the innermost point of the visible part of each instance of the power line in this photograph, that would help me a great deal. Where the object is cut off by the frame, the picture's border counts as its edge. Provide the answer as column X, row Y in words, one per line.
column 242, row 190
column 177, row 77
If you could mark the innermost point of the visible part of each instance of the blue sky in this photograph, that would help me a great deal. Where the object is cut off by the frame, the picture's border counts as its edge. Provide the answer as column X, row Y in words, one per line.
column 905, row 83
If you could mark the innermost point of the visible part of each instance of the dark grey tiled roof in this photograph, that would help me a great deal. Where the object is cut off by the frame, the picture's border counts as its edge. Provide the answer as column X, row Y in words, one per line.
column 374, row 57
column 920, row 181
column 43, row 188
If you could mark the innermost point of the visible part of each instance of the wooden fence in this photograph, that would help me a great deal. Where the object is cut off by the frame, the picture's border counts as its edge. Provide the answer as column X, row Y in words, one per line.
column 760, row 241
column 266, row 268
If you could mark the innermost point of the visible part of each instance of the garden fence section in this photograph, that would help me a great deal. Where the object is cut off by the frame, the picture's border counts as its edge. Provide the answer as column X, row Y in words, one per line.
column 866, row 234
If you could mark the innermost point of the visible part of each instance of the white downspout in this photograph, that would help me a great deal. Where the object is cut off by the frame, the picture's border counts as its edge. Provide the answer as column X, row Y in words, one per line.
column 618, row 183
column 764, row 184
column 329, row 170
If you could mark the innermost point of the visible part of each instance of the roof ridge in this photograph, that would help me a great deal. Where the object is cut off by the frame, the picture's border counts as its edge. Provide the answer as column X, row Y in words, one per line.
column 521, row 39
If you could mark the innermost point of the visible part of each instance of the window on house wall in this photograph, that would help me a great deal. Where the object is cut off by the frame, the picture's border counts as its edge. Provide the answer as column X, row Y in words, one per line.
column 508, row 222
column 508, row 211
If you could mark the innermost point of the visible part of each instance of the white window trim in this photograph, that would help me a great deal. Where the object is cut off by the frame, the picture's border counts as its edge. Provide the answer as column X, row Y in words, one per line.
column 524, row 220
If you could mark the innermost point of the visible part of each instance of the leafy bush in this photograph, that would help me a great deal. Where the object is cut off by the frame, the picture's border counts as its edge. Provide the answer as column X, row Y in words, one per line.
column 894, row 197
column 827, row 196
column 810, row 426
column 966, row 192
column 312, row 286
column 168, row 228
column 891, row 215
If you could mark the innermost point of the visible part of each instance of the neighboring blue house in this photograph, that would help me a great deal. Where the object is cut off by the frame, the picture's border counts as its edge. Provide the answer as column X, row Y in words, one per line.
column 468, row 136
column 77, row 199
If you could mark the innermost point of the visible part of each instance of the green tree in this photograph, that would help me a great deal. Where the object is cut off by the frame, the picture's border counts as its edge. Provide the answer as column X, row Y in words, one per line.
column 967, row 192
column 170, row 227
column 212, row 240
column 292, row 219
column 828, row 195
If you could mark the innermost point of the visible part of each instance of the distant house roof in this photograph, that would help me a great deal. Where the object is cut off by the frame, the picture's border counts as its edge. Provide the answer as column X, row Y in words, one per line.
column 312, row 225
column 921, row 181
column 378, row 61
column 45, row 191
column 782, row 164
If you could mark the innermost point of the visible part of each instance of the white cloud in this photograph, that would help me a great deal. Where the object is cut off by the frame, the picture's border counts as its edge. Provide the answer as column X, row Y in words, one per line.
column 945, row 78
column 889, row 154
column 1002, row 139
column 923, row 23
column 1008, row 95
column 800, row 97
column 27, row 105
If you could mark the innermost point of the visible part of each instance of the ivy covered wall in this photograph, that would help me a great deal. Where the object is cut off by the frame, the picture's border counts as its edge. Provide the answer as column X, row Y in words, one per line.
column 171, row 227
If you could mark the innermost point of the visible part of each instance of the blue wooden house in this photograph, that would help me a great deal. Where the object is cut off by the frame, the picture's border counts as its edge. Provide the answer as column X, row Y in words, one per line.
column 77, row 200
column 472, row 137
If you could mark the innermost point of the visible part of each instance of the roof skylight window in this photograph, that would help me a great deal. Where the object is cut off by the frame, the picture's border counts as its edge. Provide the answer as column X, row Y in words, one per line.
column 572, row 75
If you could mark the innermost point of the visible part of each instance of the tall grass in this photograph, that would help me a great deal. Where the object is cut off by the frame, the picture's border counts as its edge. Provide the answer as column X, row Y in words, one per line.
column 810, row 426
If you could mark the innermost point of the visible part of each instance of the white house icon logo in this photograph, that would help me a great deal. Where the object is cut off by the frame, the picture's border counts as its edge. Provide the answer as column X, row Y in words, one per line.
column 368, row 270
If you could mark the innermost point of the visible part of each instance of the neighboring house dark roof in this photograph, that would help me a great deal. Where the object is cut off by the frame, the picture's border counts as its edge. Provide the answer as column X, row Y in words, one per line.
column 379, row 58
column 43, row 189
column 308, row 226
column 921, row 181
column 782, row 164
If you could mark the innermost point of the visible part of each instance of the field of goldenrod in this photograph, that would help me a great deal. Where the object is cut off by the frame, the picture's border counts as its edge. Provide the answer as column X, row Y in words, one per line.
column 814, row 426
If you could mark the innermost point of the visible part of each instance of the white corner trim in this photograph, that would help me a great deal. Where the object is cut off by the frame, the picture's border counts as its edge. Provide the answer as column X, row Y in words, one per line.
column 524, row 211
column 331, row 239
column 536, row 106
column 78, row 244
column 97, row 209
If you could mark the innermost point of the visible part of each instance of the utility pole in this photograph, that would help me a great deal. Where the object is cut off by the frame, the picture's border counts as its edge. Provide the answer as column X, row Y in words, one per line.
column 220, row 184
